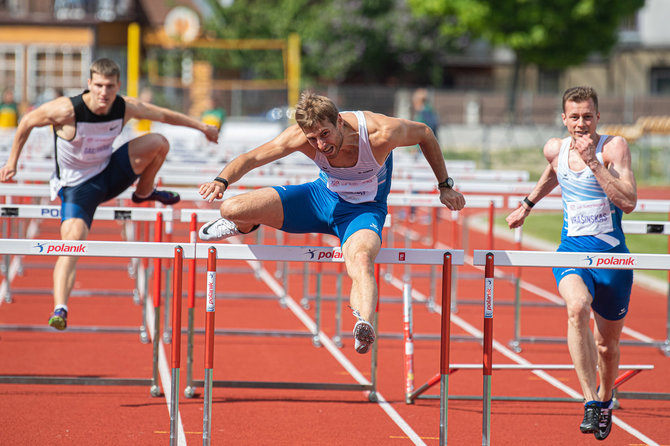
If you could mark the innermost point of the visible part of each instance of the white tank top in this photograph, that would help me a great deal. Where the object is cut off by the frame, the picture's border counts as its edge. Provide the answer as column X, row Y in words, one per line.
column 89, row 151
column 367, row 180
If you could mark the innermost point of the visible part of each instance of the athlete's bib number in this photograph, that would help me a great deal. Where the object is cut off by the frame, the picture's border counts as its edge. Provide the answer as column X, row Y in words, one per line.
column 354, row 191
column 590, row 217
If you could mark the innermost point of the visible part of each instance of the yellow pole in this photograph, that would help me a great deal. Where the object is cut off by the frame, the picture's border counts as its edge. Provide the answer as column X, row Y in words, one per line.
column 133, row 59
column 293, row 69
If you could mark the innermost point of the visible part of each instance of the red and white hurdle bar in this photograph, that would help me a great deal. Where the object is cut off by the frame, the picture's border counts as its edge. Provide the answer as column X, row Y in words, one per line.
column 548, row 260
column 166, row 250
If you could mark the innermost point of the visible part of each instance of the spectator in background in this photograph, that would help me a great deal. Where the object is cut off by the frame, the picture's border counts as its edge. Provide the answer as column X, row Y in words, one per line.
column 423, row 110
column 213, row 115
column 9, row 110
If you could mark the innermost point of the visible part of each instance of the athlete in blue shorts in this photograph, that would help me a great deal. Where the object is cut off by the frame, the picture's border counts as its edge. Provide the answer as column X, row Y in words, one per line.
column 597, row 186
column 88, row 170
column 348, row 200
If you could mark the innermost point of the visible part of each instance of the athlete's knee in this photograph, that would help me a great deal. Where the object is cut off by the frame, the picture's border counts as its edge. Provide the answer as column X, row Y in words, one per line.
column 161, row 144
column 579, row 310
column 232, row 207
column 608, row 349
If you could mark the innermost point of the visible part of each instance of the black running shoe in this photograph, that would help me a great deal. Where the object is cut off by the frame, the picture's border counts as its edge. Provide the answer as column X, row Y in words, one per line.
column 591, row 421
column 605, row 425
column 164, row 196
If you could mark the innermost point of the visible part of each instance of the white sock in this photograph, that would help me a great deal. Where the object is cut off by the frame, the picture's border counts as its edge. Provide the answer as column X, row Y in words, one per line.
column 58, row 307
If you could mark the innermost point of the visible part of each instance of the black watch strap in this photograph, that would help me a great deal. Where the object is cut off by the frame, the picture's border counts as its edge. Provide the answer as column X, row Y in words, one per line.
column 448, row 183
column 222, row 180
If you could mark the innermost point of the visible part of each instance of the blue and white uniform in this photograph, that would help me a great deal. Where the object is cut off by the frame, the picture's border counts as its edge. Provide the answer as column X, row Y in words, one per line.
column 592, row 223
column 342, row 200
column 88, row 170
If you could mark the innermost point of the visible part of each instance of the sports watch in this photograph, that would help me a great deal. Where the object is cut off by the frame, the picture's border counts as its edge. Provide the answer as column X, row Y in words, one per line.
column 448, row 183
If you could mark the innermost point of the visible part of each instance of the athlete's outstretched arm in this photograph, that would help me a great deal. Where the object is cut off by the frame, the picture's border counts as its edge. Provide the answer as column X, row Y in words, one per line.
column 289, row 141
column 397, row 132
column 58, row 112
column 547, row 182
column 143, row 110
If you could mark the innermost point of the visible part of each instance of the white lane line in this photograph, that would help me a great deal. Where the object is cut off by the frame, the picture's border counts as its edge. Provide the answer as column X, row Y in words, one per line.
column 520, row 360
column 164, row 371
column 339, row 356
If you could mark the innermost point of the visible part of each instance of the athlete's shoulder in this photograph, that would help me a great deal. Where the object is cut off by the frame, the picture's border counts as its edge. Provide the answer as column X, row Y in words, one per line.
column 552, row 148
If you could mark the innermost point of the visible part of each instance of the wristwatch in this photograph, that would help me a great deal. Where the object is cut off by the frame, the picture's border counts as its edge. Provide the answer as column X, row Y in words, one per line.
column 448, row 183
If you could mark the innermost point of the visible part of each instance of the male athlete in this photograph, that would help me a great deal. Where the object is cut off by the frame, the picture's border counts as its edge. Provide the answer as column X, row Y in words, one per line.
column 89, row 171
column 348, row 200
column 597, row 185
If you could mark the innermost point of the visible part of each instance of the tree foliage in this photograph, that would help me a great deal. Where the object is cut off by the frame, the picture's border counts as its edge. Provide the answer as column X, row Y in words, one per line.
column 549, row 33
column 365, row 41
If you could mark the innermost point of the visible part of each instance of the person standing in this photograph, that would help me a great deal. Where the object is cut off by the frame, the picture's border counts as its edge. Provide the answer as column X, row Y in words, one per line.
column 88, row 169
column 597, row 186
column 353, row 150
column 9, row 110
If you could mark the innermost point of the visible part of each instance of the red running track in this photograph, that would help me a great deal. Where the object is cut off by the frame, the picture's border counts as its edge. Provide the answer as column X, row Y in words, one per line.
column 63, row 415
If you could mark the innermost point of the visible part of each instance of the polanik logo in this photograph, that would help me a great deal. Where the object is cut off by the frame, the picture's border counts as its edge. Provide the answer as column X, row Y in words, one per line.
column 61, row 248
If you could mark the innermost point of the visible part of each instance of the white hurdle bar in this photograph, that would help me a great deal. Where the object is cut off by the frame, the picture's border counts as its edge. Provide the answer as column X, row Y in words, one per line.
column 492, row 258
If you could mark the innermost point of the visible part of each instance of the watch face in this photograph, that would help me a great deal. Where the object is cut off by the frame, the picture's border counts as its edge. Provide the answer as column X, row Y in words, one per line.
column 450, row 182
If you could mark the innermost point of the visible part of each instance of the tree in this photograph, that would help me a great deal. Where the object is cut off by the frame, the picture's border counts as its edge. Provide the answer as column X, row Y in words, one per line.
column 363, row 41
column 548, row 33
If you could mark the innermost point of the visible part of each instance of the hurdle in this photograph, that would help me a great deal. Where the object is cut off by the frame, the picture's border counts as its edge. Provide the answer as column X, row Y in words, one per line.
column 490, row 259
column 629, row 227
column 42, row 247
column 303, row 254
column 121, row 214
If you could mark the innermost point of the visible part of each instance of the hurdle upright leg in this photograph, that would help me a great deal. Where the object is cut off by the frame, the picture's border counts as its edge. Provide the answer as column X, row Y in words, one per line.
column 488, row 350
column 209, row 347
column 176, row 344
column 445, row 333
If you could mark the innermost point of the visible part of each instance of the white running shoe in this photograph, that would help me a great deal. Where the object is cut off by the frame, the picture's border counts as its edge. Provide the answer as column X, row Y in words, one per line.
column 218, row 230
column 364, row 336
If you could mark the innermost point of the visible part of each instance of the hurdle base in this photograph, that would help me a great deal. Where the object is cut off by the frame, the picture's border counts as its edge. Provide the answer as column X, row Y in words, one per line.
column 74, row 380
column 287, row 385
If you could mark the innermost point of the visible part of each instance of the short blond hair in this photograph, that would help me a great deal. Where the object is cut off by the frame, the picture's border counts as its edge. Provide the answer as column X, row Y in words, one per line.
column 105, row 67
column 312, row 109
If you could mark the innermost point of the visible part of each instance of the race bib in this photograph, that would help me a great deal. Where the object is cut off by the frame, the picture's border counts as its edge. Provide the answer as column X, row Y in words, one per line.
column 591, row 217
column 354, row 191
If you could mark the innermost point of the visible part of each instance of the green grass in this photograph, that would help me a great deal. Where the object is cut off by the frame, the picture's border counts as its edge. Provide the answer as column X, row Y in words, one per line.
column 547, row 226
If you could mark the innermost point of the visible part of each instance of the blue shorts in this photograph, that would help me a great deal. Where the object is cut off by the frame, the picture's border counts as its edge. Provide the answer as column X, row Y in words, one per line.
column 609, row 288
column 312, row 207
column 82, row 200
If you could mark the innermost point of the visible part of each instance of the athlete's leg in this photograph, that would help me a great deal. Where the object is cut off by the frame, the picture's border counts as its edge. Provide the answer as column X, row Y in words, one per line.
column 607, row 335
column 360, row 251
column 259, row 207
column 147, row 154
column 581, row 343
column 65, row 268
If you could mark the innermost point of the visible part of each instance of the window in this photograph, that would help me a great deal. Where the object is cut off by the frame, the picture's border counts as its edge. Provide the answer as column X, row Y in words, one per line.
column 660, row 80
column 56, row 68
column 11, row 69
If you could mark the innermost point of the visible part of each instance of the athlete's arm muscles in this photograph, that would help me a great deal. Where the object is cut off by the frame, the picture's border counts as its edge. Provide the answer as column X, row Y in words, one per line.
column 58, row 113
column 547, row 182
column 616, row 176
column 289, row 141
column 144, row 110
column 389, row 133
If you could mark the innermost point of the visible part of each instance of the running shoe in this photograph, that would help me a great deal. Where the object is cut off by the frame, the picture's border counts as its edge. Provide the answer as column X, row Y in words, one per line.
column 164, row 196
column 218, row 230
column 364, row 336
column 605, row 424
column 58, row 319
column 591, row 421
